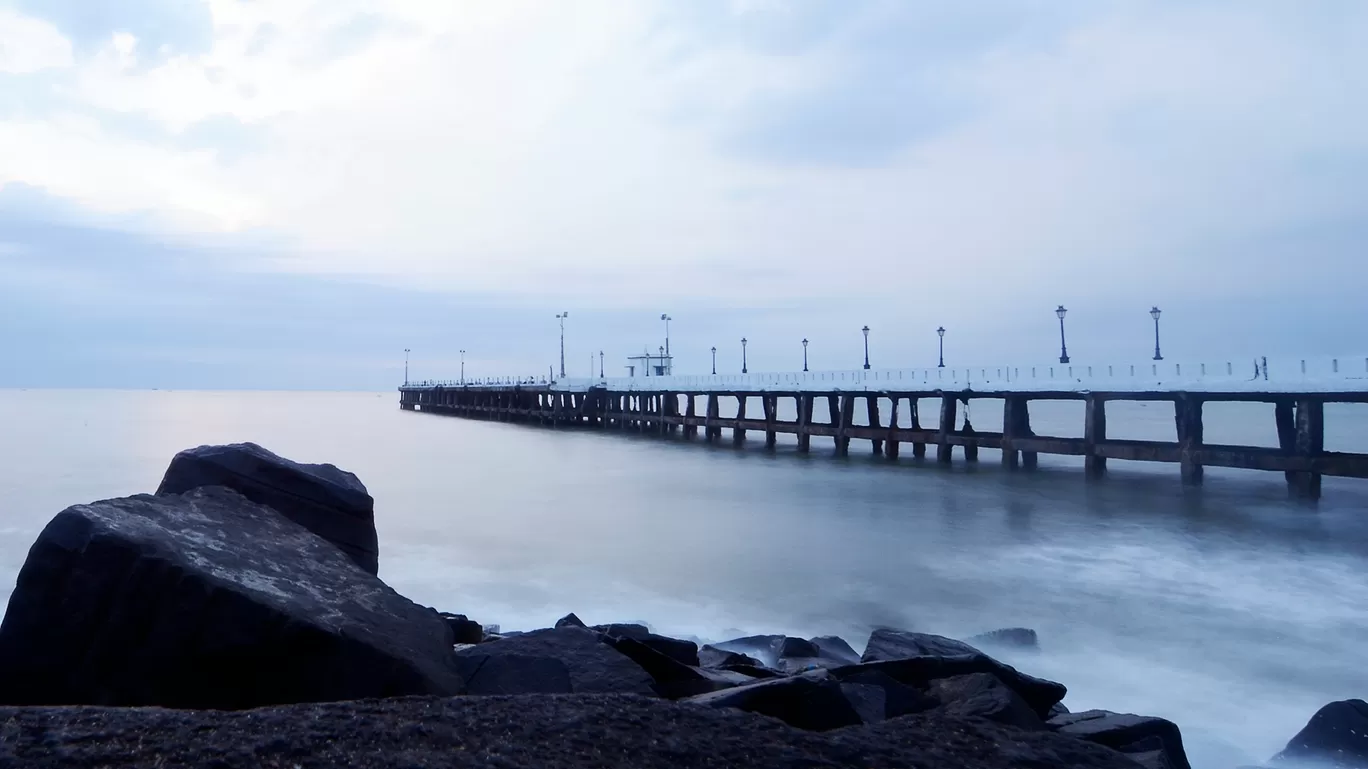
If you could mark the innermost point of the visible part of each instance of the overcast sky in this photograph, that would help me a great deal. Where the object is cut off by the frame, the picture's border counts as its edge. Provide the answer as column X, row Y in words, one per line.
column 287, row 193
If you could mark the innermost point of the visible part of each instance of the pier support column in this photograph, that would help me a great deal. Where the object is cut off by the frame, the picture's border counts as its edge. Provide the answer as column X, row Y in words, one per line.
column 1094, row 432
column 738, row 432
column 914, row 414
column 949, row 411
column 847, row 417
column 1012, row 405
column 690, row 413
column 1309, row 442
column 771, row 405
column 804, row 403
column 1187, row 411
column 664, row 411
column 872, row 408
column 1285, row 415
column 710, row 429
column 891, row 447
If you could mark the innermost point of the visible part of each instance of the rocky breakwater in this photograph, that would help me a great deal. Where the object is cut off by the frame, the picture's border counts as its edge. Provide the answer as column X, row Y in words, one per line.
column 239, row 622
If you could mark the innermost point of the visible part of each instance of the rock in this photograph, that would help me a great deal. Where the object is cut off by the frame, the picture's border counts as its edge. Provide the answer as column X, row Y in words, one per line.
column 939, row 657
column 797, row 655
column 1008, row 638
column 898, row 699
column 812, row 701
column 463, row 629
column 1124, row 730
column 764, row 648
column 570, row 620
column 624, row 629
column 1337, row 735
column 870, row 702
column 560, row 732
column 982, row 695
column 207, row 600
column 797, row 647
column 1057, row 709
column 713, row 657
column 331, row 503
column 592, row 666
column 684, row 652
column 753, row 671
column 835, row 648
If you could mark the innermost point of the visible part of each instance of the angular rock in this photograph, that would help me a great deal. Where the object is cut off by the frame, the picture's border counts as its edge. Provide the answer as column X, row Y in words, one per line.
column 592, row 665
column 797, row 655
column 1122, row 730
column 463, row 629
column 508, row 674
column 870, row 702
column 939, row 657
column 764, row 648
column 570, row 620
column 835, row 648
column 797, row 647
column 624, row 629
column 1007, row 638
column 812, row 701
column 712, row 657
column 753, row 671
column 331, row 503
column 982, row 695
column 898, row 699
column 1337, row 735
column 207, row 600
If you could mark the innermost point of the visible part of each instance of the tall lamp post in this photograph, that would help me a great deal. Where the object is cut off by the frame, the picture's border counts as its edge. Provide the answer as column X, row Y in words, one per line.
column 805, row 353
column 714, row 352
column 561, row 317
column 1063, row 348
column 667, row 320
column 1154, row 313
column 662, row 360
column 743, row 356
column 866, row 334
column 406, row 356
column 462, row 366
column 601, row 364
column 941, row 333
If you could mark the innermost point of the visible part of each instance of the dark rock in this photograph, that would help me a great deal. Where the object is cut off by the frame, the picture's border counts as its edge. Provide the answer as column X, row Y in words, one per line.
column 207, row 600
column 503, row 674
column 812, row 701
column 982, row 695
column 1008, row 637
column 940, row 657
column 463, row 629
column 835, row 648
column 1336, row 735
column 1149, row 753
column 797, row 655
column 899, row 699
column 331, row 503
column 1119, row 730
column 684, row 652
column 797, row 647
column 870, row 702
column 556, row 732
column 713, row 657
column 675, row 679
column 593, row 666
column 753, row 671
column 764, row 648
column 1057, row 709
column 570, row 620
column 624, row 630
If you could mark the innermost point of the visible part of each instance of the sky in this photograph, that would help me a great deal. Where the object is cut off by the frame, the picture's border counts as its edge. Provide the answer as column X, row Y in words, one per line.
column 290, row 193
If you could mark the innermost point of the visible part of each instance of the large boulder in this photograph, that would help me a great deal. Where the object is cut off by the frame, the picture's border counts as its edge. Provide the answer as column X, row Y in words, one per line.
column 813, row 701
column 207, row 600
column 1153, row 741
column 331, row 503
column 531, row 663
column 982, row 695
column 1337, row 736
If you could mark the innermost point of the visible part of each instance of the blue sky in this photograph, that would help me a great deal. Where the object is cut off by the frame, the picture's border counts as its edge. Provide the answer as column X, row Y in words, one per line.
column 235, row 193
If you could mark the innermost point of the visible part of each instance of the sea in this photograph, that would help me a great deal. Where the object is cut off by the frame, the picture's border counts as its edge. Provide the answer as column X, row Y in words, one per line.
column 1226, row 608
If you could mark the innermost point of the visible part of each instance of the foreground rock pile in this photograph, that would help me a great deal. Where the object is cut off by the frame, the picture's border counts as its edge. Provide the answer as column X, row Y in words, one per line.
column 244, row 595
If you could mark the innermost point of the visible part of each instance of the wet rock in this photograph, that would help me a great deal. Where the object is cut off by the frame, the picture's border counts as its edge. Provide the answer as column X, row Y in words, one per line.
column 797, row 655
column 797, row 647
column 508, row 674
column 570, row 620
column 812, row 701
column 753, row 671
column 835, row 648
column 331, row 503
column 937, row 657
column 764, row 648
column 982, row 695
column 1337, row 735
column 672, row 678
column 463, row 629
column 713, row 657
column 1123, row 731
column 1007, row 638
column 207, row 600
column 898, row 699
column 1057, row 709
column 592, row 666
column 624, row 629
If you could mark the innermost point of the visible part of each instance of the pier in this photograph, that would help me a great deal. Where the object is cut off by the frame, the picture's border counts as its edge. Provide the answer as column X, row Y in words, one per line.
column 885, row 408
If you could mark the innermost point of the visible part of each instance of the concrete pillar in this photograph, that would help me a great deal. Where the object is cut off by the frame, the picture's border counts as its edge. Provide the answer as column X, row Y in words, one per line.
column 949, row 411
column 1187, row 410
column 891, row 448
column 771, row 405
column 1094, row 432
column 914, row 416
column 804, row 403
column 1308, row 442
column 739, row 433
column 872, row 407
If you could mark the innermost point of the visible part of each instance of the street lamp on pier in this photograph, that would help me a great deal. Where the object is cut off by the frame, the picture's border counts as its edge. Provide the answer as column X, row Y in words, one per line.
column 662, row 358
column 667, row 320
column 1154, row 313
column 406, row 358
column 462, row 366
column 941, row 333
column 601, row 364
column 805, row 353
column 866, row 335
column 561, row 317
column 714, row 352
column 1063, row 348
column 743, row 356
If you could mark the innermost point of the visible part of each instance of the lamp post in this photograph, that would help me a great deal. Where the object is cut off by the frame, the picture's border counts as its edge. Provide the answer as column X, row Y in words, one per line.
column 941, row 333
column 743, row 356
column 601, row 364
column 1154, row 313
column 561, row 317
column 714, row 352
column 804, row 353
column 662, row 360
column 462, row 366
column 406, row 356
column 866, row 334
column 667, row 320
column 1063, row 348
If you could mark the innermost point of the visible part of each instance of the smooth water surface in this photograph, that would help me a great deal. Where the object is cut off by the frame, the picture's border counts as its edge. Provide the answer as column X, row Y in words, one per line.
column 1226, row 608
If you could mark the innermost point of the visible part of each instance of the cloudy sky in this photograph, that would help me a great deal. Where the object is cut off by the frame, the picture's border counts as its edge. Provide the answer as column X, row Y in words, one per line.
column 287, row 193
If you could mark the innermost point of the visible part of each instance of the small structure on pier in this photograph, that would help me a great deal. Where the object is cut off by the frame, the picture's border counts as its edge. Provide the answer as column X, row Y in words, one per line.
column 648, row 365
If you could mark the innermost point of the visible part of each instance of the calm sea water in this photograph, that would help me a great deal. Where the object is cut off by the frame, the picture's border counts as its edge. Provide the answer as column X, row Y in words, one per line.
column 1224, row 608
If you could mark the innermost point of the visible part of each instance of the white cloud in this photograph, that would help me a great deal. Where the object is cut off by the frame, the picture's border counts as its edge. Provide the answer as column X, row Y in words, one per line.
column 29, row 45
